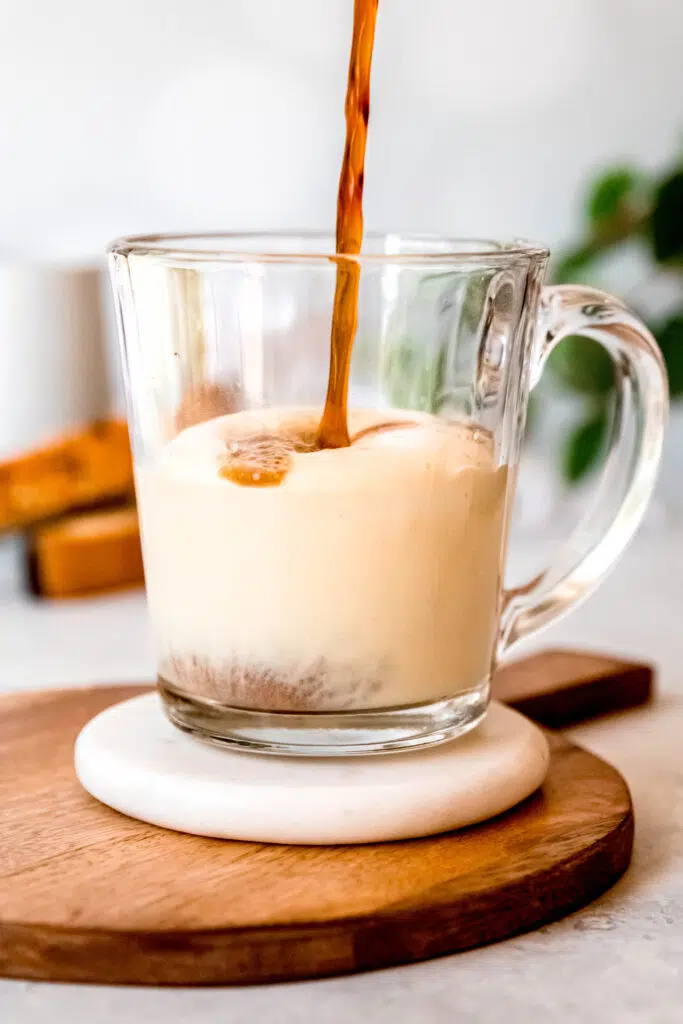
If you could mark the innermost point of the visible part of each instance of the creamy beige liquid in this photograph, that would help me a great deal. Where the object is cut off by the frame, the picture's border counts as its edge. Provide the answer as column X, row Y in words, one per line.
column 368, row 577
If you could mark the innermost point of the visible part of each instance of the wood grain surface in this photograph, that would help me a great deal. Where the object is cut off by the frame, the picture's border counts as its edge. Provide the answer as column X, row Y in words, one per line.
column 558, row 688
column 87, row 895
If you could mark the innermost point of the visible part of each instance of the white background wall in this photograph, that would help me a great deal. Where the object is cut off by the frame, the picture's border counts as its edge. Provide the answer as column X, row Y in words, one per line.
column 139, row 115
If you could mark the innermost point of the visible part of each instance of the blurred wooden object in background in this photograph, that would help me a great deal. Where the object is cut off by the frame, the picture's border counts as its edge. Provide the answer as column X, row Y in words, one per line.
column 86, row 554
column 87, row 468
column 560, row 688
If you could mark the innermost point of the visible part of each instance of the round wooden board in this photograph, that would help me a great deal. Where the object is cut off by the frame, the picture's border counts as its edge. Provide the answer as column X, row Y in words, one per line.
column 88, row 895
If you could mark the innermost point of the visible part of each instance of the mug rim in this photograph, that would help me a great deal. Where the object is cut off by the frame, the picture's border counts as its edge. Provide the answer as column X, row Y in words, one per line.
column 281, row 247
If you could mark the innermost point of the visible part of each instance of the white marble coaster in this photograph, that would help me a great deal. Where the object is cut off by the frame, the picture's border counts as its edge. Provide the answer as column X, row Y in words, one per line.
column 131, row 758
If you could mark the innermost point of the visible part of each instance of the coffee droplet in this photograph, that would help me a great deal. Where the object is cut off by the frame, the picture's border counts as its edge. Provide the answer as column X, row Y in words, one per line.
column 261, row 460
column 256, row 461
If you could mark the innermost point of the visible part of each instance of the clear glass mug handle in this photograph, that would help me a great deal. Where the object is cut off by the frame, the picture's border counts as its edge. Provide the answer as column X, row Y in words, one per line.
column 635, row 443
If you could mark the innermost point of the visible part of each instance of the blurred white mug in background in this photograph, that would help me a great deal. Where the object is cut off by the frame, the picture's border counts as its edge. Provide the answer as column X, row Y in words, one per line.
column 53, row 350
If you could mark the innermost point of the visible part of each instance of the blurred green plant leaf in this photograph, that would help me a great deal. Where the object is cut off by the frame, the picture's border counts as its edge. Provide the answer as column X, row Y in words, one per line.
column 609, row 197
column 575, row 264
column 621, row 205
column 474, row 301
column 399, row 373
column 670, row 340
column 667, row 218
column 532, row 413
column 618, row 205
column 581, row 364
column 439, row 378
column 584, row 445
column 413, row 377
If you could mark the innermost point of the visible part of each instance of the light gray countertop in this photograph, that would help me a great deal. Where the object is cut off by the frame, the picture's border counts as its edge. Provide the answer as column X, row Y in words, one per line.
column 619, row 960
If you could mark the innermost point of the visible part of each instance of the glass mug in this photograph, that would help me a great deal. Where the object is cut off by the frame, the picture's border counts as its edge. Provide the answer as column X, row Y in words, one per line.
column 351, row 600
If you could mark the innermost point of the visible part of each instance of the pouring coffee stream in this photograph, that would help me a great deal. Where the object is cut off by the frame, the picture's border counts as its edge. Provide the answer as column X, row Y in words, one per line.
column 264, row 461
column 333, row 431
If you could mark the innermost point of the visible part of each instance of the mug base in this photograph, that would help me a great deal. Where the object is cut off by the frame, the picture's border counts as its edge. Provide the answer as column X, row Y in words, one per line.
column 323, row 734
